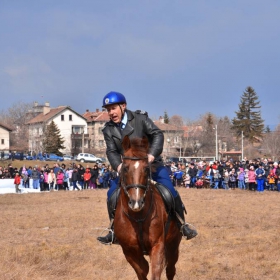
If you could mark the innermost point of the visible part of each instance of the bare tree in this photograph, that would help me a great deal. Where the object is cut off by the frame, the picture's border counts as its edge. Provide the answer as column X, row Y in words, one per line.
column 271, row 144
column 16, row 117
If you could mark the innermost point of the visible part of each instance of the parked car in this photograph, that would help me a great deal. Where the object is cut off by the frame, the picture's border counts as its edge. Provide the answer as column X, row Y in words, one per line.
column 5, row 156
column 67, row 157
column 84, row 157
column 54, row 157
column 22, row 156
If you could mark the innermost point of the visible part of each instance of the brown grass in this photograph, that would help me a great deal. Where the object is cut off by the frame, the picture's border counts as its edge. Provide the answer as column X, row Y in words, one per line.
column 53, row 236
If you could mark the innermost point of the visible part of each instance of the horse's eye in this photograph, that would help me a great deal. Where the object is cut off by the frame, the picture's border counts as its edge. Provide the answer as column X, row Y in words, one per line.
column 124, row 168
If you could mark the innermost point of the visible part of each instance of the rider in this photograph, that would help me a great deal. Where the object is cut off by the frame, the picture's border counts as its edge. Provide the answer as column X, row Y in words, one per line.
column 136, row 124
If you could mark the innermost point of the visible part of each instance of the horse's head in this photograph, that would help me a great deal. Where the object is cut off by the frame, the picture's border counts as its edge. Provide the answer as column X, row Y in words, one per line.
column 135, row 171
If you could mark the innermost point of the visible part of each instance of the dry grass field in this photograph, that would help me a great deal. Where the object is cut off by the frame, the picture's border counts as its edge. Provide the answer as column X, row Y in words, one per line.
column 53, row 236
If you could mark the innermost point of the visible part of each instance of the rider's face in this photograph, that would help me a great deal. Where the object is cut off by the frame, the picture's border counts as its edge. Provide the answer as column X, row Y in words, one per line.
column 115, row 112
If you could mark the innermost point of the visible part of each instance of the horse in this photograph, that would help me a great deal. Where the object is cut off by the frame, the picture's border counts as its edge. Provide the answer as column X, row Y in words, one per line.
column 142, row 225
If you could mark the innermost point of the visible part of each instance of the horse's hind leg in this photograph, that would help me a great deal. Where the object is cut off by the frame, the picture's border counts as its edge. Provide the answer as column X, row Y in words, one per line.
column 138, row 262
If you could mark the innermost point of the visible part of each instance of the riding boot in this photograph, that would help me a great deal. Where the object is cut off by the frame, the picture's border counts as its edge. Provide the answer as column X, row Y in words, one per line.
column 111, row 206
column 110, row 237
column 187, row 230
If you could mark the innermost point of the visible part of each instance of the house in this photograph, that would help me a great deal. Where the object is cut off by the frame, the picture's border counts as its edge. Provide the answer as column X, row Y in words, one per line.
column 95, row 123
column 72, row 126
column 173, row 137
column 5, row 137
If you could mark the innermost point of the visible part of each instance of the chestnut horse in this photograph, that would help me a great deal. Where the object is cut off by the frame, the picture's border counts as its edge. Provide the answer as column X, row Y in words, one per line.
column 142, row 225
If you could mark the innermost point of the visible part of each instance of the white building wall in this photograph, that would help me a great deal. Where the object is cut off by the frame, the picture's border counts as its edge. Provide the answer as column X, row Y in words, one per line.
column 4, row 137
column 65, row 127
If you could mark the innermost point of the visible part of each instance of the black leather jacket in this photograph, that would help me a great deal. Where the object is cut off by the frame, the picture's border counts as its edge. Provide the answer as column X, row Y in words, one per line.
column 138, row 125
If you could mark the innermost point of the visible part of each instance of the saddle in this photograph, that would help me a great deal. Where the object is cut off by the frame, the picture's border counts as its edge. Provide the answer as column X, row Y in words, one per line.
column 165, row 193
column 167, row 197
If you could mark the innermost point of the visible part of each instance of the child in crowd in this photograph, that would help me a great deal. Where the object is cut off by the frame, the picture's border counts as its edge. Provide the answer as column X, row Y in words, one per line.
column 226, row 179
column 187, row 180
column 17, row 182
column 87, row 176
column 241, row 178
column 59, row 180
column 216, row 178
column 42, row 180
column 232, row 179
column 271, row 180
column 246, row 178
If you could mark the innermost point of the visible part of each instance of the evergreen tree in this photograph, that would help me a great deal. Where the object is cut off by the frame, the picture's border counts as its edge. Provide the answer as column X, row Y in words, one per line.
column 267, row 129
column 53, row 142
column 248, row 118
column 165, row 117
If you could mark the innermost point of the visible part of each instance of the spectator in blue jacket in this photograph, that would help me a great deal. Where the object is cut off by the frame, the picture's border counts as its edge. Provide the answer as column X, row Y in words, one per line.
column 260, row 177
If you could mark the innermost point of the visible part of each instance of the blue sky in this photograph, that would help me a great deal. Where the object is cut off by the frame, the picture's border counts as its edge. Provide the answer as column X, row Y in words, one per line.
column 185, row 57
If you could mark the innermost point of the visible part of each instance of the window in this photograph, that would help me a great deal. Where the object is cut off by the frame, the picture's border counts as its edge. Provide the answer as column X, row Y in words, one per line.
column 70, row 117
column 62, row 117
column 100, row 130
column 2, row 141
column 176, row 139
column 101, row 143
column 78, row 129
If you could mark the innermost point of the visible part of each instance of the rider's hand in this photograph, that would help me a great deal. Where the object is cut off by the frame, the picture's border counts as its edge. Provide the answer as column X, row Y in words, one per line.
column 151, row 158
column 119, row 168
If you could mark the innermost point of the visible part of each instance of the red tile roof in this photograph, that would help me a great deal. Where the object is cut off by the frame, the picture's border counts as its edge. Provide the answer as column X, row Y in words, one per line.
column 98, row 116
column 51, row 114
column 6, row 127
column 166, row 126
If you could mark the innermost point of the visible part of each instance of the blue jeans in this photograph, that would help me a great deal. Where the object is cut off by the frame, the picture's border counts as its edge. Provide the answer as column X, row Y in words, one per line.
column 161, row 176
column 241, row 184
column 35, row 183
column 216, row 185
column 260, row 187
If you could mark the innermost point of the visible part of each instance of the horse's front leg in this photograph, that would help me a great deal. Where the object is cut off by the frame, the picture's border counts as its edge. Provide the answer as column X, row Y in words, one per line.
column 158, row 260
column 138, row 262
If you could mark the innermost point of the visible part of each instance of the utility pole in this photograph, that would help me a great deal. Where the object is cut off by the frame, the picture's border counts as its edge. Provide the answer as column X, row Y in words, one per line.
column 242, row 155
column 216, row 128
column 83, row 140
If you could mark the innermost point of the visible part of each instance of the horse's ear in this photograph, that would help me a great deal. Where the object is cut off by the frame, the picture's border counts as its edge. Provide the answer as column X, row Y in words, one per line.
column 145, row 142
column 126, row 143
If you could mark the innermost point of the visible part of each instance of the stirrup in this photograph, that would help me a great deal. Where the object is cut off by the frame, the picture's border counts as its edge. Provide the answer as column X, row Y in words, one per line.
column 109, row 239
column 188, row 231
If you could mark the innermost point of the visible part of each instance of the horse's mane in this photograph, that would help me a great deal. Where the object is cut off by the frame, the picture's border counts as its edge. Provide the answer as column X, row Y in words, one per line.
column 138, row 148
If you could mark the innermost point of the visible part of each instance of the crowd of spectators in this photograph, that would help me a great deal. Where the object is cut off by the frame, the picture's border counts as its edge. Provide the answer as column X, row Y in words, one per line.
column 60, row 177
column 253, row 175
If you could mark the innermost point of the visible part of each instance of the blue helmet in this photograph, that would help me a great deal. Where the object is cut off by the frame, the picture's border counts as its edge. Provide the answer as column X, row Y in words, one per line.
column 113, row 97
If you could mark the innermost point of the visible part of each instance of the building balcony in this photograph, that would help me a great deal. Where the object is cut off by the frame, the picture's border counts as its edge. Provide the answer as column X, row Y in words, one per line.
column 79, row 136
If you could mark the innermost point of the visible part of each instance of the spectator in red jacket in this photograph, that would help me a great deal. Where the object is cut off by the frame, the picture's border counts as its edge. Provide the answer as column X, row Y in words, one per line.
column 17, row 182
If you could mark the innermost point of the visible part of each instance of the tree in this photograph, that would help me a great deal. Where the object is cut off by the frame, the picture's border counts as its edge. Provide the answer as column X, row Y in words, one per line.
column 165, row 117
column 16, row 117
column 267, row 129
column 52, row 141
column 248, row 118
column 271, row 143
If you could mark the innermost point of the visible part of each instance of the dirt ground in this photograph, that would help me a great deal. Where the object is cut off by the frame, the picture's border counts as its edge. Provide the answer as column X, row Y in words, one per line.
column 53, row 236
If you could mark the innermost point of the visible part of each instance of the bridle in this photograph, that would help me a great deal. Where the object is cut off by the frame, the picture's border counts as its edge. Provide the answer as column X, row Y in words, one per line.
column 141, row 186
column 146, row 188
